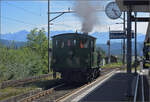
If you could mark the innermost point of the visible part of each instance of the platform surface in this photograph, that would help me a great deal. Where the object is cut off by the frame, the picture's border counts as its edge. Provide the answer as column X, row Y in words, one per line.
column 114, row 89
column 147, row 87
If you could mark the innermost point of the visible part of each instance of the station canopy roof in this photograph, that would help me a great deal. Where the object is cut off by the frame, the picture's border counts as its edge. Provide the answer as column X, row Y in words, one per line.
column 136, row 5
column 148, row 32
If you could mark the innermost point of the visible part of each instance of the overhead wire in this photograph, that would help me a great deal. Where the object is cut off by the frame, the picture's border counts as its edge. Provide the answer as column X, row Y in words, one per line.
column 20, row 21
column 26, row 10
column 16, row 20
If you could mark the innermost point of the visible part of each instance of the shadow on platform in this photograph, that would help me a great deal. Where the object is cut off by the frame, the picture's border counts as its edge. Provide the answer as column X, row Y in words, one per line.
column 117, row 88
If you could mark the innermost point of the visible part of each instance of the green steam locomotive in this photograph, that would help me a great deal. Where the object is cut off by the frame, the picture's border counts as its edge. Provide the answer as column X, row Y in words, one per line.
column 74, row 56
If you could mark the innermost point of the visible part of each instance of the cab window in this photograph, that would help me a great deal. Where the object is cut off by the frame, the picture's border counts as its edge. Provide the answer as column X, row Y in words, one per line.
column 86, row 44
column 62, row 44
column 92, row 44
column 69, row 43
column 56, row 43
column 74, row 42
column 81, row 44
column 59, row 44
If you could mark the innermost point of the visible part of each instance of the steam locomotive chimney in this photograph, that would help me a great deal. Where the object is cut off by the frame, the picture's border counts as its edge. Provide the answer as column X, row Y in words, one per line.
column 76, row 32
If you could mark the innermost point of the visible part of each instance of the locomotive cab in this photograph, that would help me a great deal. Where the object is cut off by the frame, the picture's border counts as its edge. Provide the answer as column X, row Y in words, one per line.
column 74, row 55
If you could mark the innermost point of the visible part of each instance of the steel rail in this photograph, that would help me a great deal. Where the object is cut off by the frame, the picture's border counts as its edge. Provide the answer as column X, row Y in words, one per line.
column 12, row 83
column 104, row 76
column 40, row 94
column 136, row 88
column 142, row 88
column 51, row 90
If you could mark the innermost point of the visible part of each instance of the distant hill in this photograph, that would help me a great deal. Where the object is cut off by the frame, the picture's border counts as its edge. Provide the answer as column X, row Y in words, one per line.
column 9, row 43
column 22, row 35
column 102, row 37
column 116, row 48
column 16, row 36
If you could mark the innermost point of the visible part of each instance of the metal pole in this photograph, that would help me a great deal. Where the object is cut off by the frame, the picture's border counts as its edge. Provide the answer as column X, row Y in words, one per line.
column 129, row 44
column 0, row 22
column 109, row 53
column 135, row 44
column 124, row 43
column 56, row 17
column 48, row 35
column 122, row 48
column 109, row 56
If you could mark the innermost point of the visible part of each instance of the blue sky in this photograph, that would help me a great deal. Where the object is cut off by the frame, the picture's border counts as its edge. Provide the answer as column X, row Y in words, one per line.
column 26, row 15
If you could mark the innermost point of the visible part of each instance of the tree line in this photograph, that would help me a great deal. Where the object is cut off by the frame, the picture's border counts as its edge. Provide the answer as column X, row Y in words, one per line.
column 26, row 61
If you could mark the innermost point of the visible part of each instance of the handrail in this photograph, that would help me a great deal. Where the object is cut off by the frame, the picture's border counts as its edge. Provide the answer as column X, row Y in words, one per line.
column 136, row 89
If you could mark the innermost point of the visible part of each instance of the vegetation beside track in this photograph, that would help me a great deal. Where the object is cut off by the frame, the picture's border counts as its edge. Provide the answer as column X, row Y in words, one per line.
column 27, row 61
column 113, row 65
column 13, row 91
column 120, row 65
column 41, row 84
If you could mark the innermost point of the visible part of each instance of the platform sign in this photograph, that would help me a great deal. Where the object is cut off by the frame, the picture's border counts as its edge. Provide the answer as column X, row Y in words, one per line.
column 117, row 35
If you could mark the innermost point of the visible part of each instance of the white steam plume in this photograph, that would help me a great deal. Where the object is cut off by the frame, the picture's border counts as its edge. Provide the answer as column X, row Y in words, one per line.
column 87, row 13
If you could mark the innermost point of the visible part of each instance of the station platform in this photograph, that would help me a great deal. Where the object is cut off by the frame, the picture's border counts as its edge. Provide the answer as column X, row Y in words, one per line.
column 117, row 88
column 146, row 81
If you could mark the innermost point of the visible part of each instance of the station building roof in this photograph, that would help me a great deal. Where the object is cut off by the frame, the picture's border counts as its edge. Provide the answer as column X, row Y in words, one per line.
column 136, row 5
column 147, row 33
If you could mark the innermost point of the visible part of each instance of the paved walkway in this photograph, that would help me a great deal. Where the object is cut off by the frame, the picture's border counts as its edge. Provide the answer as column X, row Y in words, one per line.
column 113, row 90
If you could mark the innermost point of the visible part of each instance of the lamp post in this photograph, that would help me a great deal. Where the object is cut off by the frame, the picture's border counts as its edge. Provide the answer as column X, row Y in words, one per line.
column 135, row 64
column 48, row 35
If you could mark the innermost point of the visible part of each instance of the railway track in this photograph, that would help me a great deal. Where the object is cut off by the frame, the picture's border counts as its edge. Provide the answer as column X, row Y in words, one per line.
column 14, row 83
column 61, row 91
column 139, row 94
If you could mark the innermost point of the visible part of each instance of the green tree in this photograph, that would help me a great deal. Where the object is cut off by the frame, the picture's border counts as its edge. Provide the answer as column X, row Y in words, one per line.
column 38, row 42
column 102, row 52
column 26, row 61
